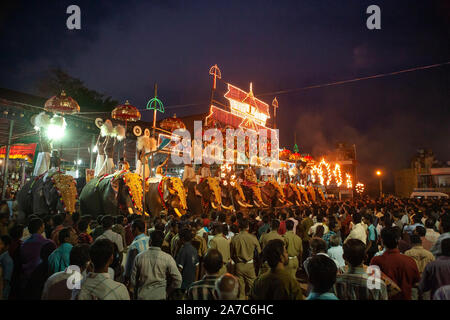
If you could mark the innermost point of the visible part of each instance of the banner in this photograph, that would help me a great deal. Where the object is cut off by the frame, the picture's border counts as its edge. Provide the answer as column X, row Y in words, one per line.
column 20, row 151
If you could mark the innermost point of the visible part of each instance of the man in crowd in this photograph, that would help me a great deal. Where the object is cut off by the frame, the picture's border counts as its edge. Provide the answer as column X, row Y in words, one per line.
column 56, row 287
column 227, row 287
column 355, row 283
column 278, row 283
column 359, row 229
column 421, row 256
column 152, row 270
column 98, row 284
column 321, row 278
column 444, row 227
column 266, row 237
column 204, row 288
column 139, row 244
column 222, row 244
column 187, row 259
column 294, row 248
column 108, row 233
column 243, row 247
column 60, row 258
column 400, row 268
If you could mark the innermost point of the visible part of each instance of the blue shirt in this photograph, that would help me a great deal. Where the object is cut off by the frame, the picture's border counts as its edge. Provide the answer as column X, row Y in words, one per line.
column 187, row 259
column 323, row 296
column 139, row 244
column 59, row 260
column 372, row 233
column 410, row 229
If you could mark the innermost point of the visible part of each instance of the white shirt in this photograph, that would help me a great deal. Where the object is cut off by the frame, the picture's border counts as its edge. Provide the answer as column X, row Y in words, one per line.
column 188, row 174
column 358, row 232
column 114, row 237
column 312, row 230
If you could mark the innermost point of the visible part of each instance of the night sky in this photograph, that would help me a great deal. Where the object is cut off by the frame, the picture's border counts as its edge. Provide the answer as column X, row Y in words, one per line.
column 126, row 46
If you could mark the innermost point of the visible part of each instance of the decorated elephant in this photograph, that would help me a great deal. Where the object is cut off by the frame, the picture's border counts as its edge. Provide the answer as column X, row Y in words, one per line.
column 50, row 193
column 203, row 196
column 272, row 194
column 115, row 194
column 233, row 198
column 293, row 194
column 167, row 194
column 253, row 195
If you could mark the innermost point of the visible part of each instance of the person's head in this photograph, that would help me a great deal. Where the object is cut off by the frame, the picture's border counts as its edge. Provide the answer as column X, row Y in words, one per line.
column 137, row 227
column 368, row 219
column 274, row 225
column 16, row 232
column 415, row 240
column 156, row 239
column 101, row 254
column 186, row 235
column 354, row 252
column 445, row 223
column 243, row 224
column 318, row 245
column 289, row 225
column 227, row 287
column 79, row 256
column 212, row 261
column 420, row 231
column 389, row 237
column 417, row 218
column 356, row 218
column 319, row 218
column 222, row 218
column 430, row 223
column 445, row 247
column 275, row 253
column 36, row 225
column 321, row 273
column 319, row 231
column 68, row 235
column 58, row 219
column 5, row 241
column 119, row 219
column 265, row 219
column 107, row 222
column 335, row 240
column 83, row 225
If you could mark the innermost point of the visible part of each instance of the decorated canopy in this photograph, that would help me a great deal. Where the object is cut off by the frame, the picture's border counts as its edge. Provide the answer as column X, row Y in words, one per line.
column 62, row 104
column 126, row 112
column 172, row 124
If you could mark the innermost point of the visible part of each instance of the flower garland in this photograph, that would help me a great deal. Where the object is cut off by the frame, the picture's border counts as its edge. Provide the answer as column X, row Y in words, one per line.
column 65, row 185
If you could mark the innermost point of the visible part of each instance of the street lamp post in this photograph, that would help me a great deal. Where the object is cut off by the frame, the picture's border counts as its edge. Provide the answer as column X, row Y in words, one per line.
column 378, row 173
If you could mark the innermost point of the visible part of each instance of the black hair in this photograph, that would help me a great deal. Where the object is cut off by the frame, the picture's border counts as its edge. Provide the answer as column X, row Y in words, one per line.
column 445, row 247
column 430, row 223
column 354, row 252
column 421, row 231
column 16, row 232
column 321, row 273
column 83, row 225
column 274, row 224
column 265, row 218
column 389, row 235
column 417, row 218
column 138, row 224
column 356, row 218
column 34, row 225
column 63, row 234
column 213, row 261
column 58, row 219
column 222, row 217
column 415, row 239
column 243, row 224
column 100, row 252
column 156, row 238
column 79, row 255
column 119, row 219
column 318, row 245
column 234, row 228
column 107, row 222
column 6, row 240
column 289, row 225
column 273, row 251
column 186, row 235
column 445, row 222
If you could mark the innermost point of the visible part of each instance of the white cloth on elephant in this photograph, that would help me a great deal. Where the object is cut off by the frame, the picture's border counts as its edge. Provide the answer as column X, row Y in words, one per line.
column 139, row 169
column 42, row 163
column 99, row 162
column 108, row 166
column 188, row 174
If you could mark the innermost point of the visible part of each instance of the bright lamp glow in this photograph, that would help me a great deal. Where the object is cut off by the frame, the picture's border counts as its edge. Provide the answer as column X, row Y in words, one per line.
column 56, row 128
column 80, row 161
column 95, row 149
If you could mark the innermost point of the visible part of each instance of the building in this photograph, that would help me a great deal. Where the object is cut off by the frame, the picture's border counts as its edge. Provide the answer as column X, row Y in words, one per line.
column 426, row 173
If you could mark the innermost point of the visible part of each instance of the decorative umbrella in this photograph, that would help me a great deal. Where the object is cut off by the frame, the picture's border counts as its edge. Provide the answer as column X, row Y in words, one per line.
column 284, row 154
column 62, row 104
column 295, row 157
column 126, row 112
column 172, row 124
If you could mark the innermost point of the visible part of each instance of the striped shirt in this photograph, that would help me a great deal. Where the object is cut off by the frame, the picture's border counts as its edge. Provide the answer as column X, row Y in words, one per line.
column 99, row 286
column 203, row 289
column 139, row 244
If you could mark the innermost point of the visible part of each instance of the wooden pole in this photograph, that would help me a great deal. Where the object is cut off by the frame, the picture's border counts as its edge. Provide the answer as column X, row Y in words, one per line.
column 91, row 163
column 5, row 171
column 153, row 132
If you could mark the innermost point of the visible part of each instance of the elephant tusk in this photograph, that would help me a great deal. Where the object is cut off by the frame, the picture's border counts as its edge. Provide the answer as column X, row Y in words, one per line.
column 249, row 205
column 241, row 204
column 256, row 204
column 281, row 201
column 230, row 207
column 296, row 202
column 212, row 205
column 130, row 210
column 177, row 212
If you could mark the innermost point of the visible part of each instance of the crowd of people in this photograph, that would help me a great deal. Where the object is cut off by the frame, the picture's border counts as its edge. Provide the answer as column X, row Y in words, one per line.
column 363, row 249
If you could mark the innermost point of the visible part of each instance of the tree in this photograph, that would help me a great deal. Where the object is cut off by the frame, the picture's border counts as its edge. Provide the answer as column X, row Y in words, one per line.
column 55, row 80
